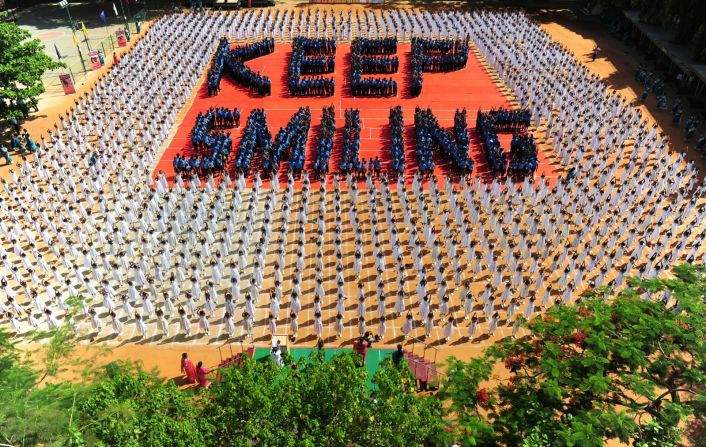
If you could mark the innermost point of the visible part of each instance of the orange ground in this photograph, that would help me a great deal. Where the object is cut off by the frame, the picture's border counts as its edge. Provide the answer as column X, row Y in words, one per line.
column 471, row 87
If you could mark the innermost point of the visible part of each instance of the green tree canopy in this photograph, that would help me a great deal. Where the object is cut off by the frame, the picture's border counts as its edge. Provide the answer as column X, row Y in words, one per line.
column 32, row 411
column 130, row 407
column 22, row 64
column 628, row 368
column 321, row 403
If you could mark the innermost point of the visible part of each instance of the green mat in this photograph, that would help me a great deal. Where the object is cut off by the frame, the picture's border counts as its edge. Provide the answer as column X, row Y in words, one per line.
column 373, row 358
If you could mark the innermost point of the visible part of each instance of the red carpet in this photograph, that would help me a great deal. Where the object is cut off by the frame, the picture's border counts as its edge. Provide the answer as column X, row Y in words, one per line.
column 470, row 87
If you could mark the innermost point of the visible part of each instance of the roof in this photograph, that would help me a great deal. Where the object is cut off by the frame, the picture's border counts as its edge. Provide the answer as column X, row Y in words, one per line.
column 679, row 54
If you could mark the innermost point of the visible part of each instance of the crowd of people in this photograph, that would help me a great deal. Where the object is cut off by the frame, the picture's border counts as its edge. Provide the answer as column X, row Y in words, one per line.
column 402, row 24
column 365, row 60
column 316, row 65
column 425, row 143
column 442, row 55
column 361, row 86
column 373, row 56
column 312, row 57
column 256, row 135
column 223, row 117
column 20, row 142
column 485, row 126
column 211, row 149
column 453, row 149
column 316, row 86
column 234, row 59
column 430, row 55
column 655, row 84
column 376, row 47
column 374, row 65
column 350, row 162
column 523, row 154
column 463, row 139
column 690, row 126
column 201, row 165
column 149, row 259
column 523, row 150
column 324, row 142
column 509, row 120
column 397, row 164
column 290, row 142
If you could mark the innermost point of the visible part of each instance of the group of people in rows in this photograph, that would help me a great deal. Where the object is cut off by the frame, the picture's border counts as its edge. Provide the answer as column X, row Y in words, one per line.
column 361, row 86
column 290, row 143
column 365, row 60
column 315, row 65
column 402, row 24
column 509, row 120
column 374, row 65
column 201, row 165
column 223, row 117
column 350, row 161
column 485, row 126
column 255, row 135
column 210, row 149
column 396, row 123
column 523, row 154
column 324, row 142
column 435, row 55
column 234, row 59
column 523, row 159
column 312, row 57
column 523, row 150
column 384, row 46
column 312, row 86
column 374, row 56
column 152, row 259
column 440, row 56
column 430, row 135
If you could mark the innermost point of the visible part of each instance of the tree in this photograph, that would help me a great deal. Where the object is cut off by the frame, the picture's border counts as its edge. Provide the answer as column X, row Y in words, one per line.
column 22, row 64
column 130, row 407
column 33, row 412
column 397, row 414
column 698, row 43
column 626, row 367
column 468, row 401
column 320, row 403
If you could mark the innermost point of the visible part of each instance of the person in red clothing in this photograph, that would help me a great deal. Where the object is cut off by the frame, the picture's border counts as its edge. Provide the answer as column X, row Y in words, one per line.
column 188, row 368
column 201, row 373
column 361, row 346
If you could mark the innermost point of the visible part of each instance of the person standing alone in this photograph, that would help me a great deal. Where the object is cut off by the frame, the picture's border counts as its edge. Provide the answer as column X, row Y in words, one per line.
column 188, row 368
